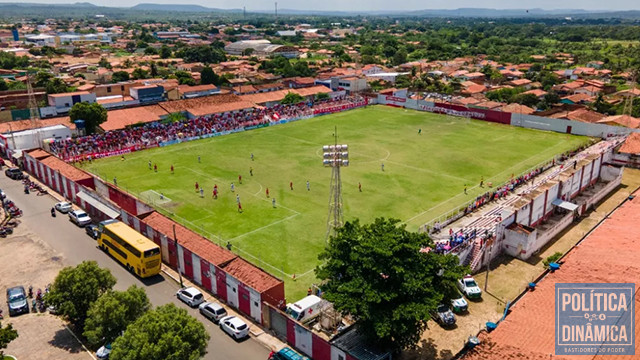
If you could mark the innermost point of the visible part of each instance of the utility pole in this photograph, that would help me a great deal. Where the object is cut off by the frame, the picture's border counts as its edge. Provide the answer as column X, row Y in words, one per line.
column 175, row 240
column 486, row 279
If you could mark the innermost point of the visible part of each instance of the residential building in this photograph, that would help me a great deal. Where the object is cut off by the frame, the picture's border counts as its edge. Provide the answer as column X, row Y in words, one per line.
column 147, row 93
column 64, row 101
column 187, row 91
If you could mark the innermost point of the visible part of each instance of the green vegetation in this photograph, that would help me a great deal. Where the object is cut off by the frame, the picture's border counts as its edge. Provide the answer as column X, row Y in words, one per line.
column 423, row 178
column 7, row 335
column 280, row 65
column 553, row 258
column 110, row 315
column 292, row 98
column 92, row 114
column 75, row 289
column 167, row 332
column 377, row 274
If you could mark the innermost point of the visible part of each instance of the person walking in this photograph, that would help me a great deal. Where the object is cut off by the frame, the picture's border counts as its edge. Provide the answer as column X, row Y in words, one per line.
column 465, row 189
column 202, row 192
column 291, row 185
column 251, row 171
column 115, row 181
column 308, row 186
column 198, row 158
column 360, row 187
column 171, row 169
column 197, row 186
column 239, row 207
column 267, row 192
column 149, row 164
column 239, row 179
column 233, row 188
column 155, row 167
column 382, row 166
column 251, row 156
column 215, row 192
column 238, row 198
column 273, row 202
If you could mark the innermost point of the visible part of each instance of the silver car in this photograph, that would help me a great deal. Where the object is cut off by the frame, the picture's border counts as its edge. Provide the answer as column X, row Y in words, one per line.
column 17, row 301
column 212, row 311
column 64, row 207
column 79, row 217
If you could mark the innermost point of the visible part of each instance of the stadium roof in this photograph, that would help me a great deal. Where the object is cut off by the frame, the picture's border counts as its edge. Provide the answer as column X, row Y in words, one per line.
column 262, row 46
column 207, row 105
column 608, row 255
column 118, row 119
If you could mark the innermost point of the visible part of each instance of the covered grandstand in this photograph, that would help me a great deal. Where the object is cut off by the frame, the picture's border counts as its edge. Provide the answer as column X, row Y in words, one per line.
column 262, row 48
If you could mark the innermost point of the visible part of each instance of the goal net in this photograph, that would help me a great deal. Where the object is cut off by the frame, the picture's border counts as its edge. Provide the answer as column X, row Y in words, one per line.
column 154, row 197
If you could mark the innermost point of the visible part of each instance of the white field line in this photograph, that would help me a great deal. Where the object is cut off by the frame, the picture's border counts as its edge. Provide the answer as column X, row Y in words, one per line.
column 498, row 175
column 264, row 227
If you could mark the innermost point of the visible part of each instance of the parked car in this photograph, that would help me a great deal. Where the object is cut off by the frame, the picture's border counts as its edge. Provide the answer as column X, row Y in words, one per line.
column 63, row 206
column 14, row 173
column 444, row 316
column 235, row 327
column 469, row 287
column 212, row 311
column 104, row 351
column 79, row 217
column 286, row 354
column 17, row 301
column 190, row 296
column 459, row 304
column 92, row 230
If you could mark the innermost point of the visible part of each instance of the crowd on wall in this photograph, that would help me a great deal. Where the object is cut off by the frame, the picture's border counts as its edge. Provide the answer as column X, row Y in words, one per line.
column 154, row 133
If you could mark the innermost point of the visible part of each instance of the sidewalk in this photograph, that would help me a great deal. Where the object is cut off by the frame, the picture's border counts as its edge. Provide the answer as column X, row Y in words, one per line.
column 257, row 332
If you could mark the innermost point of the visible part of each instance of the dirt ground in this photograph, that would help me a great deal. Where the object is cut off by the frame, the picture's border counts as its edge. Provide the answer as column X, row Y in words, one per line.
column 508, row 278
column 26, row 260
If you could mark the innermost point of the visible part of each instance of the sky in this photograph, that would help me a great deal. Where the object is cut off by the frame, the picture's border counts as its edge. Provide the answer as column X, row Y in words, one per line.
column 375, row 5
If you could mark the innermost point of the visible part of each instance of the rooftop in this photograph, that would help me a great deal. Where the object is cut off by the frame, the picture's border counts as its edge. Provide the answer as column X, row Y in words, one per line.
column 121, row 118
column 194, row 242
column 207, row 105
column 69, row 171
column 631, row 145
column 608, row 255
column 250, row 275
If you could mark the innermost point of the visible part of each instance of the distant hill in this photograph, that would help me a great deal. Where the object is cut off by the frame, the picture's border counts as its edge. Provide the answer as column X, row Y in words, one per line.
column 178, row 7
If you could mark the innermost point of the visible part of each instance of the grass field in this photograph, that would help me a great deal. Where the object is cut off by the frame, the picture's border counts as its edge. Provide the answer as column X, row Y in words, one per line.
column 424, row 176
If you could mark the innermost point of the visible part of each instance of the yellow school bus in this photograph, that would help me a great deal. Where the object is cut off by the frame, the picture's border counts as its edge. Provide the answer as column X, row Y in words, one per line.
column 138, row 254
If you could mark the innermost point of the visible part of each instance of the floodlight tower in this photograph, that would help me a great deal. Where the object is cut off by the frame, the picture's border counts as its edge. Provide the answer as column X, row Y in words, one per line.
column 335, row 156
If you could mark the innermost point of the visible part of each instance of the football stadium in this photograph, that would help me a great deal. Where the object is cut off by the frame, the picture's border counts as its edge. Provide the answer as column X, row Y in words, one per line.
column 271, row 198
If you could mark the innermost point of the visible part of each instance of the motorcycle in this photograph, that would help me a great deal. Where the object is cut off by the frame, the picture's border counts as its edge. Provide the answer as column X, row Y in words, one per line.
column 33, row 306
column 26, row 189
column 53, row 212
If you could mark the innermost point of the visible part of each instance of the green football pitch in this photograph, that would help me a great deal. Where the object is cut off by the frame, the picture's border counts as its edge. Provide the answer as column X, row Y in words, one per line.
column 424, row 176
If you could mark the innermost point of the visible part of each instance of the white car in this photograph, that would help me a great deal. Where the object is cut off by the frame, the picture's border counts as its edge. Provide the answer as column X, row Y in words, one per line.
column 459, row 304
column 234, row 326
column 104, row 351
column 79, row 217
column 64, row 207
column 469, row 287
column 212, row 311
column 190, row 296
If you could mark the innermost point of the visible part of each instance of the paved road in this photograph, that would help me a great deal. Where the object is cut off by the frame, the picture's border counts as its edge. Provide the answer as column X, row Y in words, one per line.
column 76, row 247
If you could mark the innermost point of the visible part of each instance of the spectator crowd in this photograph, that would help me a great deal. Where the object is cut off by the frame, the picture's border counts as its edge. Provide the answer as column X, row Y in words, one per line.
column 154, row 133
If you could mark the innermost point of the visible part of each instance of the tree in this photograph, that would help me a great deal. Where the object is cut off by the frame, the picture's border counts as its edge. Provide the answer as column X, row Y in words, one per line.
column 7, row 335
column 377, row 274
column 207, row 76
column 184, row 78
column 248, row 52
column 110, row 315
column 168, row 332
column 322, row 96
column 42, row 79
column 119, row 76
column 76, row 288
column 150, row 51
column 92, row 114
column 529, row 100
column 139, row 73
column 3, row 85
column 56, row 86
column 292, row 98
column 165, row 52
column 104, row 63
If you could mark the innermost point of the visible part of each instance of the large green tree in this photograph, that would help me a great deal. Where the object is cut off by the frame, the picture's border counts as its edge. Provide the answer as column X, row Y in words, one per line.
column 207, row 76
column 56, row 86
column 377, row 274
column 167, row 332
column 75, row 289
column 110, row 315
column 92, row 114
column 119, row 76
column 292, row 98
column 7, row 335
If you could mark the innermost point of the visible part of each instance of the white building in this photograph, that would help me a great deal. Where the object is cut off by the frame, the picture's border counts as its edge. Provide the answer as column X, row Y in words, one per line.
column 63, row 102
column 30, row 139
column 387, row 76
